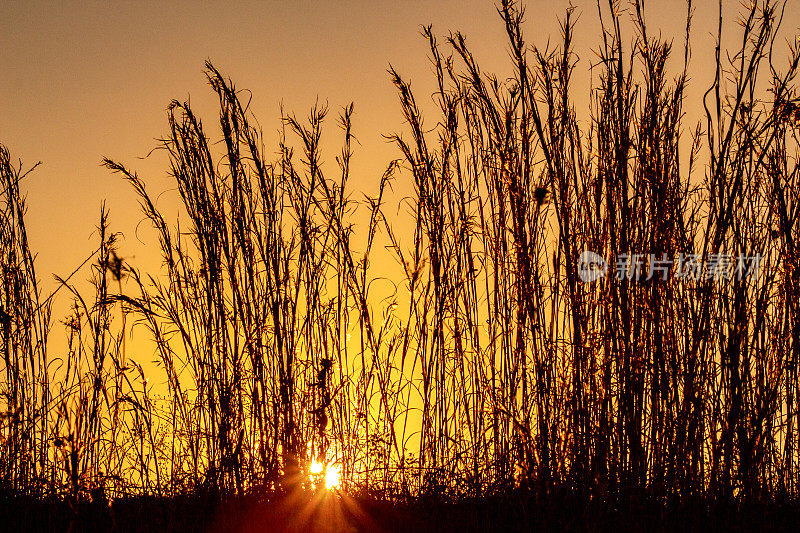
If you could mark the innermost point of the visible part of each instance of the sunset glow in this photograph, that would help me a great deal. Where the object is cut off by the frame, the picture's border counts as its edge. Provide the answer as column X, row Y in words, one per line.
column 486, row 265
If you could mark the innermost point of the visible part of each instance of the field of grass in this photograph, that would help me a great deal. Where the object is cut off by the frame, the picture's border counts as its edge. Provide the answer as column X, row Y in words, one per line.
column 489, row 387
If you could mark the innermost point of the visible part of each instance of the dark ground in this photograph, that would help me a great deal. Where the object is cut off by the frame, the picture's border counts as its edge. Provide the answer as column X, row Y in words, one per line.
column 328, row 512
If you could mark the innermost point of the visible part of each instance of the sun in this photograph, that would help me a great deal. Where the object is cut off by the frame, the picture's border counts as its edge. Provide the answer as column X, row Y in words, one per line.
column 332, row 477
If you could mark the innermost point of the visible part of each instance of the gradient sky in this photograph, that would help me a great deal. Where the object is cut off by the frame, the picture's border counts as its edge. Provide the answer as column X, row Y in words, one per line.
column 84, row 80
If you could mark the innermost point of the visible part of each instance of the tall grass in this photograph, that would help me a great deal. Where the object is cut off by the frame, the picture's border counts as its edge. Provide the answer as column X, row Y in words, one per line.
column 24, row 320
column 490, row 366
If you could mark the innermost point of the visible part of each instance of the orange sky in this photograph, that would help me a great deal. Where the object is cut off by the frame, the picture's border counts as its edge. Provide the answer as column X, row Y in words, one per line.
column 92, row 79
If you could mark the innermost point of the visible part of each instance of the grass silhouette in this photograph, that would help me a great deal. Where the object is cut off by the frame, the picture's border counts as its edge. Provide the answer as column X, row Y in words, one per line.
column 491, row 386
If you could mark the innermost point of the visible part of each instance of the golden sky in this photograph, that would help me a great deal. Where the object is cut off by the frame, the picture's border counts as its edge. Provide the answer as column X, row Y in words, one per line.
column 83, row 80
